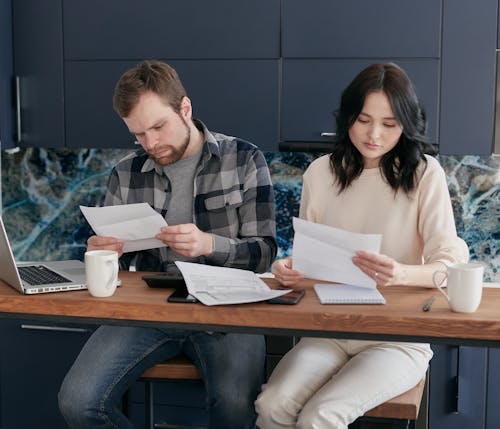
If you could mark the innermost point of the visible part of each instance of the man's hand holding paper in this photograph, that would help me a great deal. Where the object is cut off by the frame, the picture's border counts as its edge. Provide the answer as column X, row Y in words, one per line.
column 134, row 225
column 187, row 239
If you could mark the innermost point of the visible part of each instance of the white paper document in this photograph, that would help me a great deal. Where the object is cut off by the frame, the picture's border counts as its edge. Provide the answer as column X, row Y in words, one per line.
column 134, row 224
column 220, row 285
column 324, row 253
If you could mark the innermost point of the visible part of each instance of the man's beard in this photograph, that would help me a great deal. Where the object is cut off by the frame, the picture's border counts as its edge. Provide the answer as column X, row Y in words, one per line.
column 175, row 153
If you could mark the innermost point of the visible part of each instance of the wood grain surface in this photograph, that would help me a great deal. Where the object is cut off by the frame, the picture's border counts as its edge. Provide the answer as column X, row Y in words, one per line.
column 135, row 303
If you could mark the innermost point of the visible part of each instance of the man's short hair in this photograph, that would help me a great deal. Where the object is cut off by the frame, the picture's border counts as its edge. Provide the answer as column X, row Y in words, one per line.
column 150, row 75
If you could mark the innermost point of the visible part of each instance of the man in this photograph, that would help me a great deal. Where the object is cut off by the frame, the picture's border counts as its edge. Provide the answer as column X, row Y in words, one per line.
column 216, row 195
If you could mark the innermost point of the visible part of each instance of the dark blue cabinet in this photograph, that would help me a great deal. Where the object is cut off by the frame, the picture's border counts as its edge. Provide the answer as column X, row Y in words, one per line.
column 226, row 53
column 188, row 29
column 361, row 29
column 7, row 136
column 326, row 42
column 35, row 358
column 464, row 387
column 312, row 90
column 493, row 392
column 468, row 65
column 38, row 65
column 269, row 71
column 235, row 97
column 457, row 387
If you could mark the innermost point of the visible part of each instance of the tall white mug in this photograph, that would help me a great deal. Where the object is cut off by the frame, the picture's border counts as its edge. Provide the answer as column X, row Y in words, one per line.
column 101, row 270
column 464, row 285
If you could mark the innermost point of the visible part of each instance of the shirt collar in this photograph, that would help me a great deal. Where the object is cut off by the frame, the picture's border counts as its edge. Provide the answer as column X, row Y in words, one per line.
column 211, row 145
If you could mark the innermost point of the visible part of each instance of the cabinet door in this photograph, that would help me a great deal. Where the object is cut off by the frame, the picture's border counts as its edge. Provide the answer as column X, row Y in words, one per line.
column 361, row 28
column 234, row 97
column 6, row 117
column 493, row 402
column 127, row 29
column 35, row 358
column 457, row 387
column 312, row 90
column 468, row 77
column 37, row 29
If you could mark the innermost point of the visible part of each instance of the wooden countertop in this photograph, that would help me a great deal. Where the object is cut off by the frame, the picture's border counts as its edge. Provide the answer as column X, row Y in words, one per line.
column 401, row 318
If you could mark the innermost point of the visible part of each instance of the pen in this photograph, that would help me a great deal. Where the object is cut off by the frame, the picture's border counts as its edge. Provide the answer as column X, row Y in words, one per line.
column 427, row 305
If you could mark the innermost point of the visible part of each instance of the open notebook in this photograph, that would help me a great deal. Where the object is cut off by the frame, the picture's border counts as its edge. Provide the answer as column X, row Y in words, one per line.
column 339, row 293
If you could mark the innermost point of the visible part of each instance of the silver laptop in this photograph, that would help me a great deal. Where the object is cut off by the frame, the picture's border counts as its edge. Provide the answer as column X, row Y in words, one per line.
column 38, row 277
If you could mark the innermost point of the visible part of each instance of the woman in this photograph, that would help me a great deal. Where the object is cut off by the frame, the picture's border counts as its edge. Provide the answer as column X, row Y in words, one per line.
column 376, row 180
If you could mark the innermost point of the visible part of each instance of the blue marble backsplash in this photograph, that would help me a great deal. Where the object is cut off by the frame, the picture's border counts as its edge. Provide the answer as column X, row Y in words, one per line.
column 42, row 189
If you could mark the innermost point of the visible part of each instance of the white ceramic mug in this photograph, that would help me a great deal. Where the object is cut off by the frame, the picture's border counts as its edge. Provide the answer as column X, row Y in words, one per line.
column 464, row 284
column 101, row 270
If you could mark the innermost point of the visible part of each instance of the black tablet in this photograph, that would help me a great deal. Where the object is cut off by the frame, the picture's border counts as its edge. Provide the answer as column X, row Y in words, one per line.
column 167, row 280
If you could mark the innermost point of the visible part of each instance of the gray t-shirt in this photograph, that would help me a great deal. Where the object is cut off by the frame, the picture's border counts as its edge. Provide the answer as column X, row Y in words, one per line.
column 180, row 209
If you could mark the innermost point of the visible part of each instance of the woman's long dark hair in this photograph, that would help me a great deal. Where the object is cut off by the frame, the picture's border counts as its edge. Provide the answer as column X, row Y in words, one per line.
column 398, row 166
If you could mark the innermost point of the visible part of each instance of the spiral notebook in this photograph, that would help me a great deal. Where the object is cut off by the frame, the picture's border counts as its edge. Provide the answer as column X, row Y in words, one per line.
column 340, row 293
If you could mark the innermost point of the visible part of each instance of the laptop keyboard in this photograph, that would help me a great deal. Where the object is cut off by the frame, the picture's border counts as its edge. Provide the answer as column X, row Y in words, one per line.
column 40, row 275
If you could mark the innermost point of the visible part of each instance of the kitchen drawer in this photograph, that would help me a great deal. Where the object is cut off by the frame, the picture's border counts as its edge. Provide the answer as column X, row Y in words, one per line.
column 35, row 357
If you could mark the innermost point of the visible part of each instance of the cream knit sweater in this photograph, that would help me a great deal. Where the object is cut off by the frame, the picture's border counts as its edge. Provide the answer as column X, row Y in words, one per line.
column 416, row 228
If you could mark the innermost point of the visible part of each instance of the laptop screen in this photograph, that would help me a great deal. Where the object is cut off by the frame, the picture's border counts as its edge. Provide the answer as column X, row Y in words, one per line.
column 8, row 273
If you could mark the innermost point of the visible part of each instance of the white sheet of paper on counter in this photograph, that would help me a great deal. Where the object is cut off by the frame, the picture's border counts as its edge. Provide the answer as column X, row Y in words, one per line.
column 213, row 285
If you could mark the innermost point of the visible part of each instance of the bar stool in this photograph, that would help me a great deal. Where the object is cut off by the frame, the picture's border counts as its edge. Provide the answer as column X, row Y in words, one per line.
column 177, row 368
column 404, row 408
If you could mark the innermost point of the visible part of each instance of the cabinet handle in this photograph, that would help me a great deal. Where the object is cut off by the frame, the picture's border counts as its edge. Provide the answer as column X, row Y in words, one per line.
column 18, row 108
column 54, row 328
column 328, row 134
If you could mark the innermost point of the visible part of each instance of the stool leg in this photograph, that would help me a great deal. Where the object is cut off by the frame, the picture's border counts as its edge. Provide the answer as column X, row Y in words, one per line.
column 149, row 405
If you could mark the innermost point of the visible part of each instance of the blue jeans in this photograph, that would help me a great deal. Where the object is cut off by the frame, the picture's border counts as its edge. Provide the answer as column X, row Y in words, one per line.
column 232, row 367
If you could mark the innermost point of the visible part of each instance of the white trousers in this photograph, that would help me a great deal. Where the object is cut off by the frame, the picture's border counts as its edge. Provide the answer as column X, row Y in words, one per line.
column 325, row 383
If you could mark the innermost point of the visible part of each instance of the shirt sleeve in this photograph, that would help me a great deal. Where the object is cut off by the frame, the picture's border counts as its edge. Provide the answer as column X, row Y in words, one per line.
column 113, row 198
column 113, row 191
column 436, row 221
column 255, row 246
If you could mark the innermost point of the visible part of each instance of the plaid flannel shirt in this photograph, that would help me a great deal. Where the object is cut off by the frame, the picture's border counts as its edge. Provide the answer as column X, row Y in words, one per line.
column 233, row 199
